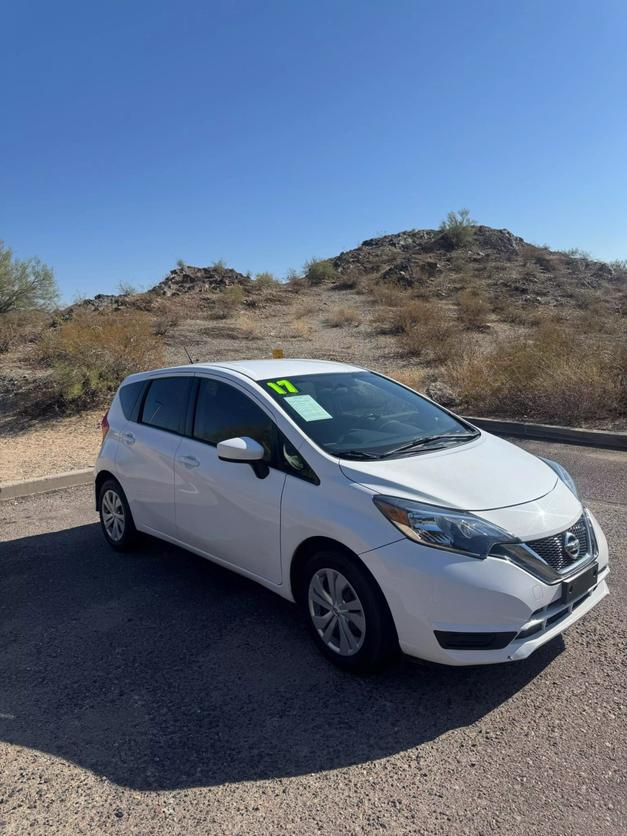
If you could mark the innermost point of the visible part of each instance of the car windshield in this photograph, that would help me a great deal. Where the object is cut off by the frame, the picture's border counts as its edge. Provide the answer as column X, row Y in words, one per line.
column 363, row 415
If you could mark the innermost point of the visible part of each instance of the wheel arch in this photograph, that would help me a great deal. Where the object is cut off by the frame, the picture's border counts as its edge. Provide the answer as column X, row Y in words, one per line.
column 101, row 478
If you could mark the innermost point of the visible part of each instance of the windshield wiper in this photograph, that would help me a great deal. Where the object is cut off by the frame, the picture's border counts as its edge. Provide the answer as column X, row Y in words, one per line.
column 356, row 454
column 427, row 439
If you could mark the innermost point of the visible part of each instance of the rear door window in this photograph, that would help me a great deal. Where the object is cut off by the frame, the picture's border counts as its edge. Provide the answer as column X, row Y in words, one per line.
column 165, row 405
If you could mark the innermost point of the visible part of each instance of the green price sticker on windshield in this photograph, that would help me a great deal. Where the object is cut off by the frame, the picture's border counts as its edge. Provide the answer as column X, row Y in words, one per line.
column 282, row 387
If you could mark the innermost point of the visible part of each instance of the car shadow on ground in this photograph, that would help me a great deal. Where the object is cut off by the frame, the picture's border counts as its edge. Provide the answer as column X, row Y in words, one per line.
column 160, row 670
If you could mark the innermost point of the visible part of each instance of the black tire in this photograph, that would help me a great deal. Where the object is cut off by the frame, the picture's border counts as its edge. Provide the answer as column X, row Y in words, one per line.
column 379, row 643
column 128, row 536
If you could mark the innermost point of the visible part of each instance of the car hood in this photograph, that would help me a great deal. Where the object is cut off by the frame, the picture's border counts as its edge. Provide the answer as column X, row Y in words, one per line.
column 479, row 475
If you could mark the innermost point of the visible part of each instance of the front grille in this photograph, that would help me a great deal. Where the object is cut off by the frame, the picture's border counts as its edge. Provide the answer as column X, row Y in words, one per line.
column 552, row 551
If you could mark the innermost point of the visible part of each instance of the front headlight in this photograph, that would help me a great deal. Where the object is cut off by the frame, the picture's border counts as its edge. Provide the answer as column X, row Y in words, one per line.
column 562, row 474
column 443, row 528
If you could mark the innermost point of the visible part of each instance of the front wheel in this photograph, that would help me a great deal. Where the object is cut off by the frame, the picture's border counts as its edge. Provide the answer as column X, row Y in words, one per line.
column 116, row 519
column 347, row 613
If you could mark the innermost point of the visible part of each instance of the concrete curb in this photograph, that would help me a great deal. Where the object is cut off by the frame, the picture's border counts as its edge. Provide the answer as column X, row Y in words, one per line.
column 545, row 432
column 27, row 487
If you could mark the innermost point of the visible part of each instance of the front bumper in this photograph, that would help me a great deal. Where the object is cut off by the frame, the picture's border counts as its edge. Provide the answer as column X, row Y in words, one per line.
column 430, row 590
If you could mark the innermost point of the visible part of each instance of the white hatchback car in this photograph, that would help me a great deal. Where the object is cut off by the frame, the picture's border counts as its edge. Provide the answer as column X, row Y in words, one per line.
column 393, row 522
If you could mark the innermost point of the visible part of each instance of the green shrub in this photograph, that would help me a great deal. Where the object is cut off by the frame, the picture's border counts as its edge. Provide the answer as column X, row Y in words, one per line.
column 318, row 271
column 25, row 285
column 265, row 280
column 229, row 301
column 460, row 226
column 90, row 354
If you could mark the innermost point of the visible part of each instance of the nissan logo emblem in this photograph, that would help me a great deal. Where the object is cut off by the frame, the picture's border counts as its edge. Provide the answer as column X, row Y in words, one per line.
column 571, row 545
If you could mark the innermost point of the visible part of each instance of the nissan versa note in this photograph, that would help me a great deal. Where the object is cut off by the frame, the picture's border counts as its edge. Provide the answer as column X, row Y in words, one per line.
column 391, row 521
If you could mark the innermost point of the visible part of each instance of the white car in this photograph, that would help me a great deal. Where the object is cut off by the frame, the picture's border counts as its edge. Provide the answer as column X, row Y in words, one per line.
column 391, row 521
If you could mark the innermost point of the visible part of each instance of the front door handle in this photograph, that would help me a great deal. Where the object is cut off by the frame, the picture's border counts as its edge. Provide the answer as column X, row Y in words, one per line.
column 189, row 461
column 128, row 438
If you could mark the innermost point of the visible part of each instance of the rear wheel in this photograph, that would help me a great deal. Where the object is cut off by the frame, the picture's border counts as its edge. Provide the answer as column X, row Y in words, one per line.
column 347, row 613
column 116, row 519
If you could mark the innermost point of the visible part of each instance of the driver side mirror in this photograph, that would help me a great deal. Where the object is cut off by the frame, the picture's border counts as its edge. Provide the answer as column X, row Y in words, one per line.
column 244, row 450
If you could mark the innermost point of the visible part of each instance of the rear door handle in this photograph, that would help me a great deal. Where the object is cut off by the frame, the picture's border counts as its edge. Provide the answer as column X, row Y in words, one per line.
column 189, row 461
column 128, row 438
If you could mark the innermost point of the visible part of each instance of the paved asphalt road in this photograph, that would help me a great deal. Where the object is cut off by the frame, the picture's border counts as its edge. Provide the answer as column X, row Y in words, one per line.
column 156, row 693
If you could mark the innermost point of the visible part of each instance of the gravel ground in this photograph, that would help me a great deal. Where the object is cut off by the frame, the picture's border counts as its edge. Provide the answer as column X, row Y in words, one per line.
column 156, row 693
column 51, row 447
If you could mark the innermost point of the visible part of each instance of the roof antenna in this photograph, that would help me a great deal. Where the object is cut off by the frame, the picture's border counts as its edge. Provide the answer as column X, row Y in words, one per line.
column 189, row 356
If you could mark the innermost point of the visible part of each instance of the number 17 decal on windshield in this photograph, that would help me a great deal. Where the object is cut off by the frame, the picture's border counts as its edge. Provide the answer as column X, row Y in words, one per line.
column 283, row 387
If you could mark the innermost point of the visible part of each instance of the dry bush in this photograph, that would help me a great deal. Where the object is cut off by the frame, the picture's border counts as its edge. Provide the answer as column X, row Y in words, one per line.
column 90, row 354
column 551, row 375
column 387, row 294
column 165, row 320
column 305, row 310
column 18, row 328
column 246, row 326
column 342, row 317
column 425, row 330
column 473, row 309
column 413, row 378
column 301, row 330
column 229, row 301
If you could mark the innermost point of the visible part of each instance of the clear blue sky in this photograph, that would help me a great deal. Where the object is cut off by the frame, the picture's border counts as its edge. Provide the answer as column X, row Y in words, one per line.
column 135, row 133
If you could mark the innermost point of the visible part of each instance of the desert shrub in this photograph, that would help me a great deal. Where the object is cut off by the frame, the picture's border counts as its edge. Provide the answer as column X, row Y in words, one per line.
column 424, row 330
column 127, row 289
column 341, row 317
column 388, row 294
column 229, row 301
column 473, row 309
column 247, row 328
column 550, row 375
column 265, row 280
column 18, row 328
column 319, row 270
column 575, row 252
column 165, row 320
column 413, row 378
column 460, row 226
column 25, row 285
column 219, row 264
column 305, row 310
column 91, row 353
column 301, row 330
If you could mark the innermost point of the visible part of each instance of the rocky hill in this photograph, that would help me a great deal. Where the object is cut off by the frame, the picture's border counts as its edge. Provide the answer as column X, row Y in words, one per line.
column 500, row 263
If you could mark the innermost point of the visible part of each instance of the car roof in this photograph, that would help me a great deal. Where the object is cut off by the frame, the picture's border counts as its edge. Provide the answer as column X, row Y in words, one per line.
column 262, row 369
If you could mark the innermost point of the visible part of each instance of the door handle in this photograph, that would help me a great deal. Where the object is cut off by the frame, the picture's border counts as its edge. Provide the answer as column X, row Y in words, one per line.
column 128, row 438
column 189, row 461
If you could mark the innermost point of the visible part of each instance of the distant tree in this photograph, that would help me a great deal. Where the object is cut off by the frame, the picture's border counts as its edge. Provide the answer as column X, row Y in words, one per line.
column 460, row 226
column 25, row 285
column 180, row 262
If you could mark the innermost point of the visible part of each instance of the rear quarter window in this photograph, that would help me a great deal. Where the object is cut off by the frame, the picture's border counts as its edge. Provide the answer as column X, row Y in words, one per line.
column 130, row 396
column 165, row 404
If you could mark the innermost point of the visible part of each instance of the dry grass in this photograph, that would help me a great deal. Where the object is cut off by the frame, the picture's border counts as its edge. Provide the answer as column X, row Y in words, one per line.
column 414, row 378
column 551, row 374
column 473, row 309
column 301, row 330
column 91, row 353
column 246, row 326
column 343, row 317
column 18, row 328
column 228, row 302
column 305, row 310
